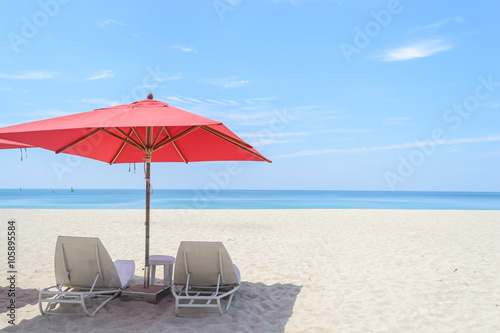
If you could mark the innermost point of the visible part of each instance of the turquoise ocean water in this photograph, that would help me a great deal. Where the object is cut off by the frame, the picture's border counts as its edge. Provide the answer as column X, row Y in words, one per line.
column 245, row 199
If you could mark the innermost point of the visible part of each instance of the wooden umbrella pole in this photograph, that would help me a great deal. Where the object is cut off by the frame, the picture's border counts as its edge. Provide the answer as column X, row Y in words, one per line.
column 148, row 193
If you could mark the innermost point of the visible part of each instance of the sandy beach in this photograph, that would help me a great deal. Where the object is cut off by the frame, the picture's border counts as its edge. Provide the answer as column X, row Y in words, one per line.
column 302, row 270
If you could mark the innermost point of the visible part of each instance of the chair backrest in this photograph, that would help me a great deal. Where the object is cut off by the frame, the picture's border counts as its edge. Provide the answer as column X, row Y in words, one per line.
column 204, row 260
column 84, row 257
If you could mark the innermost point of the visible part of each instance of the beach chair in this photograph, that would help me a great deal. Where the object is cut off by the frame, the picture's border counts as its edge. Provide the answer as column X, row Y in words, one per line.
column 84, row 270
column 203, row 275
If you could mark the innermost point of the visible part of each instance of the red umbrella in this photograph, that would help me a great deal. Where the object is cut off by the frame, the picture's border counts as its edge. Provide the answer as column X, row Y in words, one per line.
column 144, row 131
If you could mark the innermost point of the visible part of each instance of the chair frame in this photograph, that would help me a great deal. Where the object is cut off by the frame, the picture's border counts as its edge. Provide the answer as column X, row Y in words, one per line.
column 193, row 295
column 70, row 295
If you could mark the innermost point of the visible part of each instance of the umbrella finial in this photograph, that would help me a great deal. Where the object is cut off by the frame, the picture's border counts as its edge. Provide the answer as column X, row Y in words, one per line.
column 150, row 95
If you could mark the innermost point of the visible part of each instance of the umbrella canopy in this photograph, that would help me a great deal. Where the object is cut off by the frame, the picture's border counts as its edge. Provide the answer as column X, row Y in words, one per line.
column 144, row 131
column 119, row 135
column 6, row 144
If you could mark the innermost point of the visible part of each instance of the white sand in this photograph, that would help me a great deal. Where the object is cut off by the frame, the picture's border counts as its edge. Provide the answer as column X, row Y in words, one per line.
column 302, row 270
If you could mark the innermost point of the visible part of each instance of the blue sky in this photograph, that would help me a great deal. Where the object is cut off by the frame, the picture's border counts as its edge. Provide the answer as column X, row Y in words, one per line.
column 340, row 95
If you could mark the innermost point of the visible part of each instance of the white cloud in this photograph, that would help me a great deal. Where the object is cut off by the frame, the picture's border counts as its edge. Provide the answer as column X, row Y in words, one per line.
column 226, row 82
column 398, row 121
column 101, row 102
column 267, row 142
column 216, row 102
column 110, row 22
column 183, row 99
column 492, row 154
column 175, row 99
column 417, row 50
column 163, row 78
column 283, row 134
column 105, row 74
column 439, row 24
column 279, row 134
column 168, row 77
column 391, row 147
column 265, row 138
column 36, row 75
column 183, row 48
column 257, row 100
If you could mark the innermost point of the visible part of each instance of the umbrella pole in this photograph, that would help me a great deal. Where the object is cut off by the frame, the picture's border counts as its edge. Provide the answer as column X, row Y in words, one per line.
column 148, row 192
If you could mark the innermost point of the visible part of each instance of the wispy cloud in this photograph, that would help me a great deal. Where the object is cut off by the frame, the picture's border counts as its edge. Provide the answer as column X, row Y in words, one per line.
column 392, row 147
column 257, row 100
column 162, row 77
column 268, row 142
column 268, row 138
column 199, row 101
column 101, row 102
column 38, row 75
column 10, row 89
column 183, row 48
column 398, row 121
column 492, row 154
column 304, row 133
column 110, row 22
column 105, row 74
column 226, row 82
column 168, row 77
column 438, row 24
column 281, row 134
column 416, row 50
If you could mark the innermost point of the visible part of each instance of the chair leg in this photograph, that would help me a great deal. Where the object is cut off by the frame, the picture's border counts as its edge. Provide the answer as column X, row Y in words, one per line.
column 40, row 304
column 82, row 303
column 219, row 305
column 153, row 273
column 229, row 301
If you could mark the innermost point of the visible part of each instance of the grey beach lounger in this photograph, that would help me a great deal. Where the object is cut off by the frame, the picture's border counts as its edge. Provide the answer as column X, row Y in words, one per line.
column 85, row 270
column 204, row 274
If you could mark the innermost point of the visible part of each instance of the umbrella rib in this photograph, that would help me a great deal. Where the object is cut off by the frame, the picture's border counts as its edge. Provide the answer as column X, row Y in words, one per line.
column 234, row 142
column 74, row 143
column 158, row 135
column 138, row 136
column 132, row 143
column 129, row 137
column 225, row 137
column 166, row 141
column 175, row 145
column 119, row 151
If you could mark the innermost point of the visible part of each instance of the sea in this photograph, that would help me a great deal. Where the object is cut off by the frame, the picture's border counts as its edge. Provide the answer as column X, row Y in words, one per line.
column 244, row 199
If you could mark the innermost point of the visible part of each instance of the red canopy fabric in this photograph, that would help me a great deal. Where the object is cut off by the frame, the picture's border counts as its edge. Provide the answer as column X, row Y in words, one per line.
column 118, row 135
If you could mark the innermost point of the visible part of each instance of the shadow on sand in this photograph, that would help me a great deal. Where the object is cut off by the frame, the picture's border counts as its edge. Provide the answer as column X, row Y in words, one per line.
column 256, row 307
